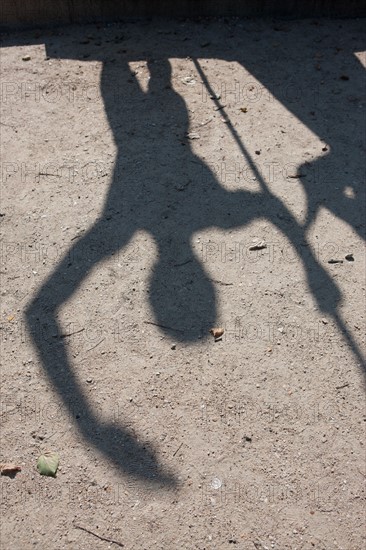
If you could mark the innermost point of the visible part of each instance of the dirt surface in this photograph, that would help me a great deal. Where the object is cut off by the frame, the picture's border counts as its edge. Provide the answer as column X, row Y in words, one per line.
column 141, row 164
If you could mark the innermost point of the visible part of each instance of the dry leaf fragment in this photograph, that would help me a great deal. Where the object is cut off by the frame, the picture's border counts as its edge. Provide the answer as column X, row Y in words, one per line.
column 9, row 469
column 217, row 332
column 244, row 109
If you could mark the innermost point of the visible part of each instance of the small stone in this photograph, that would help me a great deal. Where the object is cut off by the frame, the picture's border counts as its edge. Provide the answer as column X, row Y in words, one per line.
column 217, row 332
column 258, row 246
column 26, row 58
column 89, row 380
column 216, row 483
column 193, row 135
column 174, row 346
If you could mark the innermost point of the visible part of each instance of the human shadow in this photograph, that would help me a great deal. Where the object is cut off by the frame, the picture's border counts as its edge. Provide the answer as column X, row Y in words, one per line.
column 168, row 191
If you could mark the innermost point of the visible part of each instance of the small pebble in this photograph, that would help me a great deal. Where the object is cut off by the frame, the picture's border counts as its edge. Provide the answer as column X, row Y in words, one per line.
column 216, row 483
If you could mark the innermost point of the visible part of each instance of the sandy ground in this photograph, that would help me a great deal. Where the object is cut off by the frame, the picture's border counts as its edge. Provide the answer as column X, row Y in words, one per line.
column 140, row 164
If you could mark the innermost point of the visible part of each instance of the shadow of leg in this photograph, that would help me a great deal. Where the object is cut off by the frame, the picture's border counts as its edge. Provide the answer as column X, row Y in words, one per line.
column 116, row 442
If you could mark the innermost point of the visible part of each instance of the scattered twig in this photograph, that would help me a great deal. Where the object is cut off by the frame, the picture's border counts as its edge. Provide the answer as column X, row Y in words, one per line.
column 77, row 236
column 335, row 261
column 178, row 449
column 258, row 246
column 202, row 124
column 343, row 386
column 67, row 334
column 162, row 326
column 183, row 263
column 106, row 539
column 97, row 344
column 207, row 122
column 221, row 283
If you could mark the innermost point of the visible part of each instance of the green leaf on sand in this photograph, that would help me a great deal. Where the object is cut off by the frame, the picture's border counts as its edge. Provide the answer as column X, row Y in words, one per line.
column 47, row 464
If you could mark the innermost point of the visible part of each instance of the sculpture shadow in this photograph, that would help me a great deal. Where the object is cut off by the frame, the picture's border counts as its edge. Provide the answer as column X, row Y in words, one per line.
column 162, row 187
